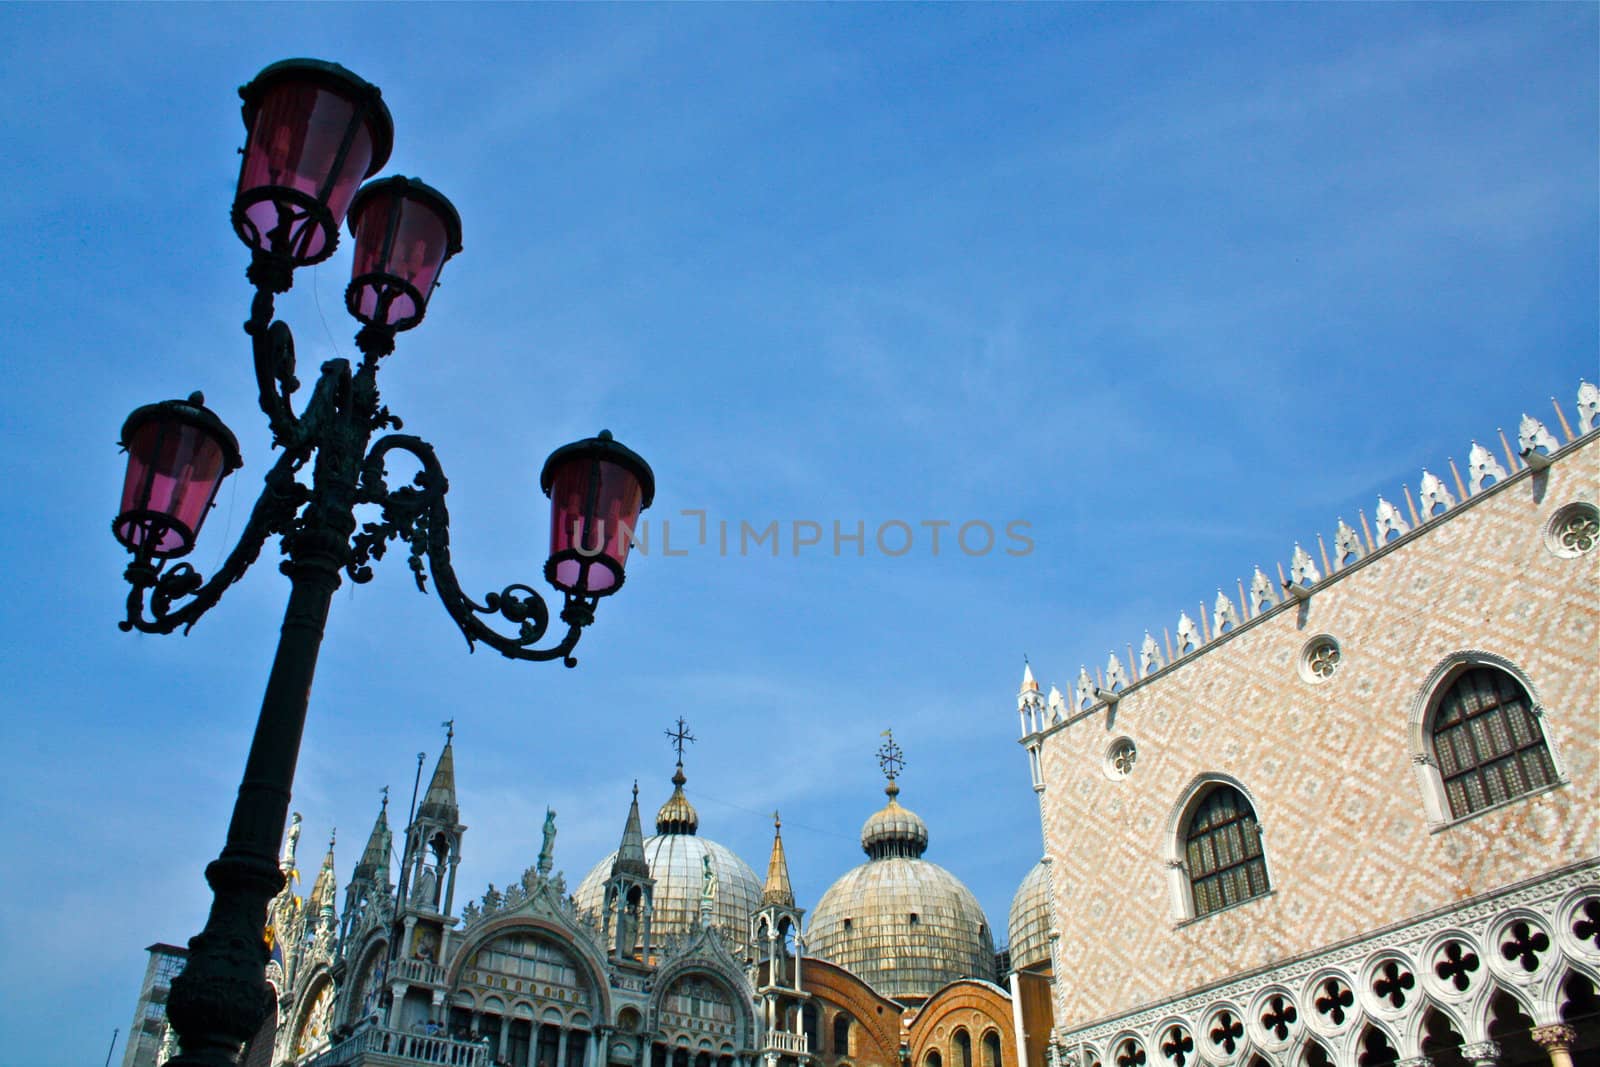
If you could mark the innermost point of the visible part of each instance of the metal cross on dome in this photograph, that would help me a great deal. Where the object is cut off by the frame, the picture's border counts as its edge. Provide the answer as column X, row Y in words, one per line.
column 890, row 759
column 680, row 737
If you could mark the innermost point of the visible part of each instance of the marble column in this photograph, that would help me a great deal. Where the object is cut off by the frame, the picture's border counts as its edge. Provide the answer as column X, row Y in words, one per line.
column 1557, row 1040
column 561, row 1047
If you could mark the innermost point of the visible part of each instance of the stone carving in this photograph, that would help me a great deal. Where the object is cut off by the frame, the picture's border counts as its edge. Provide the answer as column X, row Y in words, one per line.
column 1085, row 689
column 1057, row 705
column 1389, row 521
column 1555, row 1036
column 1321, row 989
column 1116, row 677
column 1524, row 944
column 547, row 853
column 1588, row 406
column 1150, row 654
column 1223, row 614
column 292, row 840
column 1262, row 594
column 1189, row 637
column 1434, row 493
column 1302, row 569
column 1532, row 434
column 1120, row 760
column 1347, row 546
column 708, row 881
column 1481, row 465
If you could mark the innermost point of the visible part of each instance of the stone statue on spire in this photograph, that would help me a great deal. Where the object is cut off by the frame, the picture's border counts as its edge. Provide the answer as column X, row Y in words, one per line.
column 547, row 853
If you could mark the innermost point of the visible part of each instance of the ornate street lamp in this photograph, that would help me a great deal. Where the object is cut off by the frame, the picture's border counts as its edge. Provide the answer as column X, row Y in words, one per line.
column 314, row 131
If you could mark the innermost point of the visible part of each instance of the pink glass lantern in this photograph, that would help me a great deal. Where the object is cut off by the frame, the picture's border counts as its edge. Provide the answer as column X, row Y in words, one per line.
column 315, row 130
column 404, row 232
column 178, row 454
column 597, row 488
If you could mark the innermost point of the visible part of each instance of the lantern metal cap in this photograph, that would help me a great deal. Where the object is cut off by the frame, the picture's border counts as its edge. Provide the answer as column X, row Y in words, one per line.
column 417, row 189
column 193, row 411
column 335, row 77
column 608, row 449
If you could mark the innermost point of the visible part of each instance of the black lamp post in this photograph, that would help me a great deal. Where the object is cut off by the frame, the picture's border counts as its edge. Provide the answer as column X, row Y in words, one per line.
column 314, row 132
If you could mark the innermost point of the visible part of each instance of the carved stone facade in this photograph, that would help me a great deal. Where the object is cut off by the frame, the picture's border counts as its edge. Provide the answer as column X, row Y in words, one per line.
column 655, row 961
column 1361, row 897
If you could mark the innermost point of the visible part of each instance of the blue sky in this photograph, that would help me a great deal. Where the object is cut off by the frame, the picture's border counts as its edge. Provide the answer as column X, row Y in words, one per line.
column 1175, row 285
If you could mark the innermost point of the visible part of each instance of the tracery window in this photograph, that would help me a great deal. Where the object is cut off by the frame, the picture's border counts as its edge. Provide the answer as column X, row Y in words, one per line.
column 520, row 959
column 1222, row 851
column 1487, row 741
column 314, row 1031
column 695, row 1005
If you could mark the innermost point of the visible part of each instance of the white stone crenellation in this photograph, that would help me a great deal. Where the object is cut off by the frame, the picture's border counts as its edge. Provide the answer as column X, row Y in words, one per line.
column 1391, row 524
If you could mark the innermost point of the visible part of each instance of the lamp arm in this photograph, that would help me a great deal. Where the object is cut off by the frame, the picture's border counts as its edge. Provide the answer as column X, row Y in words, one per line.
column 273, row 513
column 273, row 346
column 274, row 360
column 417, row 514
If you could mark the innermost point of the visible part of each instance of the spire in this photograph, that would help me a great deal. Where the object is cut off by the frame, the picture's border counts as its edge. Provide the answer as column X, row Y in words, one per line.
column 322, row 890
column 1029, row 685
column 777, row 890
column 440, row 801
column 630, row 854
column 374, row 865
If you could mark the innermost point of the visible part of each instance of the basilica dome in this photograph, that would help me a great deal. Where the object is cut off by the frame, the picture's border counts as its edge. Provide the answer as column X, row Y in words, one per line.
column 1029, row 924
column 676, row 856
column 903, row 924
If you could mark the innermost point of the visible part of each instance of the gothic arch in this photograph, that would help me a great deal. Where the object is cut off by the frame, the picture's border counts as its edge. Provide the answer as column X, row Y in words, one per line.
column 592, row 966
column 1413, row 1026
column 1174, row 849
column 1483, row 1010
column 1419, row 724
column 1305, row 1052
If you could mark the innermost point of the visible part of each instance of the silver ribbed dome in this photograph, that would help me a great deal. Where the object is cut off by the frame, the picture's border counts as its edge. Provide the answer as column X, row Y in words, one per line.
column 904, row 925
column 1029, row 923
column 676, row 857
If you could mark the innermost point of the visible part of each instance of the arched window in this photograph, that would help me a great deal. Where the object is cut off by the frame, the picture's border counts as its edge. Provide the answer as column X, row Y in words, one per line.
column 991, row 1049
column 1487, row 742
column 1222, row 851
column 963, row 1056
column 841, row 1034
